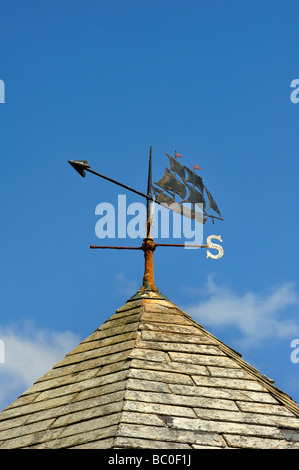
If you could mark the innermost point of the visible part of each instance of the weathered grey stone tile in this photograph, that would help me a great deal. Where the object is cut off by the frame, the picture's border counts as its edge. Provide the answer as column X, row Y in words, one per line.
column 114, row 367
column 104, row 411
column 64, row 380
column 102, row 444
column 130, row 305
column 215, row 404
column 262, row 397
column 150, row 396
column 141, row 418
column 225, row 427
column 149, row 355
column 20, row 401
column 252, row 442
column 159, row 409
column 89, row 425
column 96, row 353
column 169, row 366
column 74, row 407
column 80, row 438
column 218, row 359
column 186, row 329
column 176, row 337
column 26, row 429
column 103, row 342
column 163, row 302
column 104, row 389
column 111, row 332
column 80, row 386
column 30, row 439
column 112, row 362
column 95, row 363
column 245, row 417
column 26, row 410
column 111, row 323
column 160, row 307
column 227, row 382
column 169, row 434
column 13, row 422
column 177, row 399
column 125, row 313
column 149, row 316
column 136, row 443
column 160, row 376
column 138, row 384
column 264, row 408
column 233, row 372
column 214, row 392
column 180, row 347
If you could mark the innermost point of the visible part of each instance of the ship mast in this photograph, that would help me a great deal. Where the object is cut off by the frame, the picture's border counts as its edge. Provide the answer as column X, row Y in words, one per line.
column 149, row 196
column 148, row 245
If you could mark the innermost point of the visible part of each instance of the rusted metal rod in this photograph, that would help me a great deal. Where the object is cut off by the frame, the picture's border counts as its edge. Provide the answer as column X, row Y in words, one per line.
column 176, row 245
column 181, row 245
column 117, row 247
column 148, row 246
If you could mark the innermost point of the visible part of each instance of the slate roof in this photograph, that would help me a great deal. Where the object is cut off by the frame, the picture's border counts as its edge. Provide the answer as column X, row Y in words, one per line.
column 151, row 377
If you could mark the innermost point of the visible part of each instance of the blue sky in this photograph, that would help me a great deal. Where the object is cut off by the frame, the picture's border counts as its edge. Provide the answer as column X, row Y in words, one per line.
column 104, row 81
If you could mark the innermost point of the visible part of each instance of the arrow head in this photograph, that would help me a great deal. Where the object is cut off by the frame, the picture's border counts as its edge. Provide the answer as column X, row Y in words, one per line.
column 79, row 166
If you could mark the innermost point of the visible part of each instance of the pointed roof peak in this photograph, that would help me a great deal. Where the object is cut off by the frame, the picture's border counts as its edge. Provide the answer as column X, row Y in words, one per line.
column 151, row 377
column 148, row 289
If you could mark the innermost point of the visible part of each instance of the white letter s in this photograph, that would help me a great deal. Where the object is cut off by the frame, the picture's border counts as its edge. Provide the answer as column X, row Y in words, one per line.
column 215, row 246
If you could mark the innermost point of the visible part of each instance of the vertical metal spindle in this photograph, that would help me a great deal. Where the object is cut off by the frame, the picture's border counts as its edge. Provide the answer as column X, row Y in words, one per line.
column 149, row 196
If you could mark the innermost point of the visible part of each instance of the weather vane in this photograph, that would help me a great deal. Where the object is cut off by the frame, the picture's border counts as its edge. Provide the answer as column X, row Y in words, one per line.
column 177, row 181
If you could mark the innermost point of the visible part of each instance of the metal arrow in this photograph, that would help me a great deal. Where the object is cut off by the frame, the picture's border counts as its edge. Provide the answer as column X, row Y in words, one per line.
column 81, row 166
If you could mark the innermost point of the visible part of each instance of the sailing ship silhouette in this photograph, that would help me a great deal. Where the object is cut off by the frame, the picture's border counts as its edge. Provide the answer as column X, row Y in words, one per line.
column 189, row 188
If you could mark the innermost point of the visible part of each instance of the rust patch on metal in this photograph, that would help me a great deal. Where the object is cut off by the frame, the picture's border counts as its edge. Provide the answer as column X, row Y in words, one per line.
column 148, row 246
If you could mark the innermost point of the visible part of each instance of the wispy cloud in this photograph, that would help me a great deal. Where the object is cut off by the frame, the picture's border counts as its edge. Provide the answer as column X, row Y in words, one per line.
column 125, row 286
column 257, row 316
column 29, row 353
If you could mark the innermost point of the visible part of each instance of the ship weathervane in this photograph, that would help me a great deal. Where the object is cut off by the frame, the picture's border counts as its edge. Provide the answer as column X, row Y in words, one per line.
column 188, row 183
column 177, row 182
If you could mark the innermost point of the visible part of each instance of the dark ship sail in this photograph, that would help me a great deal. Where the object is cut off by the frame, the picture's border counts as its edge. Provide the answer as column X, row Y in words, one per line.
column 196, row 190
column 194, row 179
column 195, row 197
column 212, row 202
column 170, row 204
column 176, row 167
column 171, row 184
column 162, row 198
